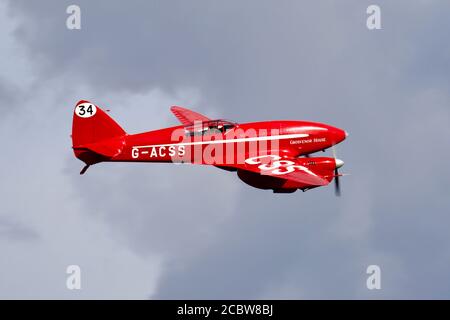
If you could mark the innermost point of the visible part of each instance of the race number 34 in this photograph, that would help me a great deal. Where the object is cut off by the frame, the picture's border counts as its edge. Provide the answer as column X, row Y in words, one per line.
column 85, row 110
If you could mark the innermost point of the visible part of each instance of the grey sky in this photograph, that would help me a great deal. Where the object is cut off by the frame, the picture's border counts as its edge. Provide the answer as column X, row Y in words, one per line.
column 166, row 231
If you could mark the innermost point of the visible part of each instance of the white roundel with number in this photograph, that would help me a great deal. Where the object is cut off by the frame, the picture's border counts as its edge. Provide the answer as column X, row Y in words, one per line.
column 85, row 110
column 275, row 164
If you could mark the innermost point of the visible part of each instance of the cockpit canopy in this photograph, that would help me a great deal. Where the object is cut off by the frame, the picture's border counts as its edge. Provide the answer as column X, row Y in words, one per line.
column 209, row 127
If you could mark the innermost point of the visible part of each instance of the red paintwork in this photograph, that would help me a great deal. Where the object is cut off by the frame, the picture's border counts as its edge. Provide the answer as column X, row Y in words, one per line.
column 96, row 137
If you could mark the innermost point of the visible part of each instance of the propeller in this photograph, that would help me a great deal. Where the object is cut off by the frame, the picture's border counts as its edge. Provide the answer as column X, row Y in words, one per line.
column 339, row 163
column 337, row 186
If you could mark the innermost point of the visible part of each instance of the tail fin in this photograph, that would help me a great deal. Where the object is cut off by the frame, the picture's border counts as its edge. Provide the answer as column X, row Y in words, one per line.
column 95, row 135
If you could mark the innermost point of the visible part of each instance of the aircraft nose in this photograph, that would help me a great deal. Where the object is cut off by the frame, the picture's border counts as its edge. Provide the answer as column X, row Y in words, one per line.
column 339, row 163
column 337, row 135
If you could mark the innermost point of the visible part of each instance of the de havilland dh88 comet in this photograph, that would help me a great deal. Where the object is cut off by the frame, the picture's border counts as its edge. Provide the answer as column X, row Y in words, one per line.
column 273, row 155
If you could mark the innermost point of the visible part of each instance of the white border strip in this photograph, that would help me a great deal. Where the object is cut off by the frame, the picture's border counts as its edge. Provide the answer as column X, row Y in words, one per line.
column 265, row 138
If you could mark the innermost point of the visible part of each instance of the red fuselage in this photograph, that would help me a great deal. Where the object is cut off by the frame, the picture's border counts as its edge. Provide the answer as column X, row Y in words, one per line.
column 291, row 138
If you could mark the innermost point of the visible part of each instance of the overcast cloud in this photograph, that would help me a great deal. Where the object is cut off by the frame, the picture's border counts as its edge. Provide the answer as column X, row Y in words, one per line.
column 167, row 231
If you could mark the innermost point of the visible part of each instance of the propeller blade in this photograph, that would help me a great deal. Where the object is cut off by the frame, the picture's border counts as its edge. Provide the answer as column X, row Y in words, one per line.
column 337, row 186
column 339, row 163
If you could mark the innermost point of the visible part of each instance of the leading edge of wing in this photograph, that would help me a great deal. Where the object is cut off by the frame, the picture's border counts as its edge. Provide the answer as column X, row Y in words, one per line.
column 305, row 177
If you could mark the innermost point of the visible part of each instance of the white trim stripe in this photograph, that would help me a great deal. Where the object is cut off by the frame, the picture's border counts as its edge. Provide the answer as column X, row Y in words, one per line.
column 265, row 138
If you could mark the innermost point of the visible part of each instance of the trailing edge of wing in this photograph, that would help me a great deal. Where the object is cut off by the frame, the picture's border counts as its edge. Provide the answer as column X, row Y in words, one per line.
column 186, row 116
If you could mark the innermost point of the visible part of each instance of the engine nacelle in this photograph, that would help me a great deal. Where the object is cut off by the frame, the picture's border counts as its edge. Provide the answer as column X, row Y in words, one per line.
column 260, row 181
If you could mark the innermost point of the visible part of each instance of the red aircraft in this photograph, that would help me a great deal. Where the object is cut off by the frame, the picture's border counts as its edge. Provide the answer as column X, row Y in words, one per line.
column 266, row 155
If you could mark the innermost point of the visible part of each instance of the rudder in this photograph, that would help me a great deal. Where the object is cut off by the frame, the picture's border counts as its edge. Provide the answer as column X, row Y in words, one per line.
column 94, row 133
column 92, row 124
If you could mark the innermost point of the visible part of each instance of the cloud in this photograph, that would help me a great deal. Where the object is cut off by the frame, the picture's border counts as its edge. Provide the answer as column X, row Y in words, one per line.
column 13, row 230
column 201, row 232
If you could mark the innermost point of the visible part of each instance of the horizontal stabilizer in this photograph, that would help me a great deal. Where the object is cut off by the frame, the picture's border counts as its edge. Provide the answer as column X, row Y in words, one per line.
column 99, row 151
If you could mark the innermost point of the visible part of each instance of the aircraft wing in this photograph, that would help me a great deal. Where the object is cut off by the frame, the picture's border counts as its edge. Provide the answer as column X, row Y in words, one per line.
column 186, row 116
column 293, row 169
